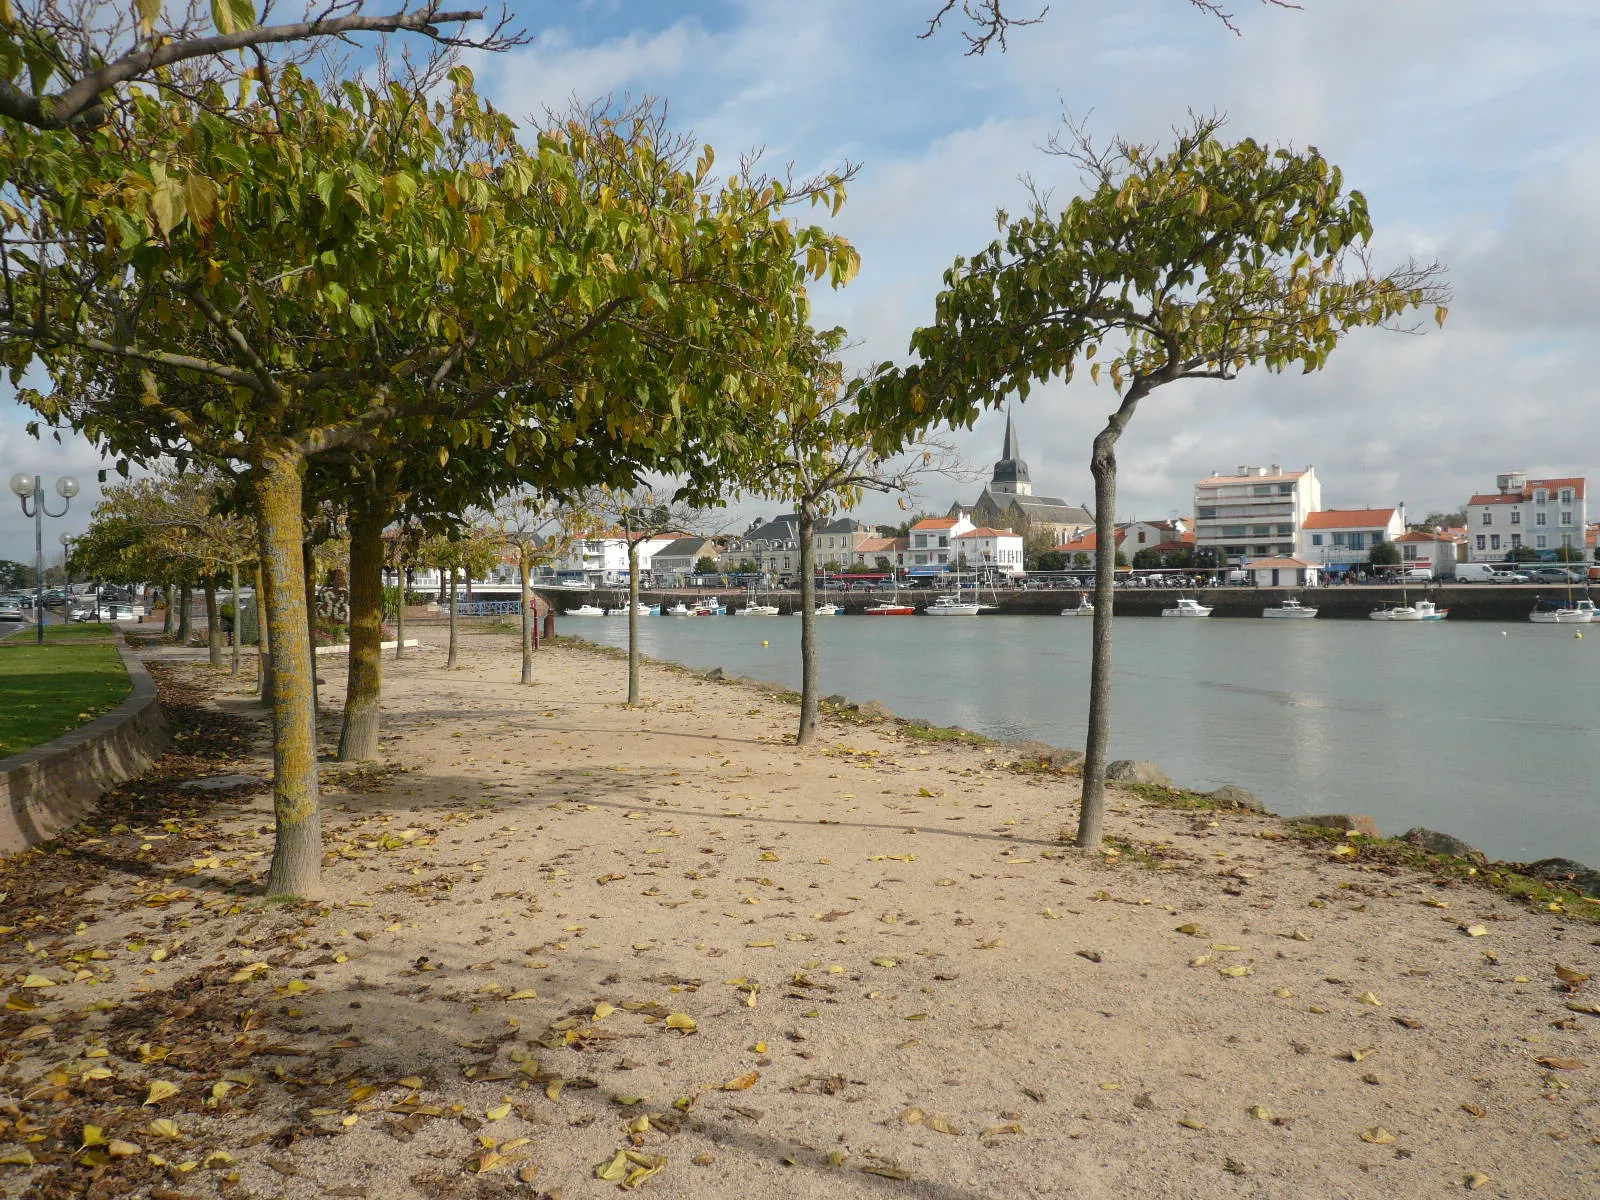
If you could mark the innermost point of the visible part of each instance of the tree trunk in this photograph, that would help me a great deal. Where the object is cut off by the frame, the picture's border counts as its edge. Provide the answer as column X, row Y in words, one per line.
column 1103, row 466
column 358, row 739
column 185, row 606
column 308, row 567
column 807, row 732
column 450, row 658
column 633, row 620
column 213, row 625
column 523, row 556
column 263, row 640
column 297, row 851
column 400, row 612
column 170, row 617
column 238, row 621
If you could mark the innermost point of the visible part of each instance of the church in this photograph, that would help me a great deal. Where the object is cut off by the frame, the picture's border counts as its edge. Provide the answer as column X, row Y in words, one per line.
column 1009, row 503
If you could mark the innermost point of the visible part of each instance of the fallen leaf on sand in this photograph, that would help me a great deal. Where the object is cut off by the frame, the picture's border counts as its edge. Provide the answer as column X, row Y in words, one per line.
column 743, row 1083
column 1370, row 998
column 1359, row 1055
column 1378, row 1136
column 682, row 1022
column 1474, row 1181
column 1561, row 1064
column 160, row 1090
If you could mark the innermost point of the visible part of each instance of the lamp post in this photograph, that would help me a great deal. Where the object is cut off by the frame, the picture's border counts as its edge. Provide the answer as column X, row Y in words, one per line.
column 31, row 487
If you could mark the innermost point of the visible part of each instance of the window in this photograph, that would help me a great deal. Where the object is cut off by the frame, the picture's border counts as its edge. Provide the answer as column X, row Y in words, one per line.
column 920, row 543
column 1566, row 540
column 1141, row 537
column 1377, row 538
column 1566, row 518
column 1261, row 489
column 919, row 558
column 1540, row 496
column 1316, row 539
column 1233, row 531
column 1488, row 517
column 1516, row 516
column 943, row 543
column 1566, row 495
column 1409, row 553
column 1480, row 541
column 1540, row 541
column 1263, row 551
column 1358, row 541
column 1206, row 513
column 1540, row 518
column 1494, row 541
column 1261, row 530
column 1516, row 541
column 1285, row 530
column 1286, row 489
column 1339, row 539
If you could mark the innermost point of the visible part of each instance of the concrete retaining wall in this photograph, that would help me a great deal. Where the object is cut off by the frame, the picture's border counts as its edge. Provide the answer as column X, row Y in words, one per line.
column 51, row 787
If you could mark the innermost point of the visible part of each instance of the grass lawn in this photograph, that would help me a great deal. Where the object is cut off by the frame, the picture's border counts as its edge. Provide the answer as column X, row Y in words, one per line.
column 47, row 690
column 69, row 633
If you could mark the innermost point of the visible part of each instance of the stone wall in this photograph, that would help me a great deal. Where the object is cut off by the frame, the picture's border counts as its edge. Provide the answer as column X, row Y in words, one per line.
column 51, row 787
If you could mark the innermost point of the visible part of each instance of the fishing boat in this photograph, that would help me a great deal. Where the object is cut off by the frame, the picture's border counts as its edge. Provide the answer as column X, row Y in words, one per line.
column 1550, row 612
column 952, row 605
column 890, row 608
column 1290, row 610
column 1422, row 610
column 586, row 610
column 1187, row 607
column 757, row 610
column 710, row 607
column 643, row 609
column 680, row 609
column 1085, row 608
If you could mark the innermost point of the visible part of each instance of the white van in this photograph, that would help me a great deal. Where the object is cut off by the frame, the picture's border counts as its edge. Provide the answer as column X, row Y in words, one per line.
column 1470, row 572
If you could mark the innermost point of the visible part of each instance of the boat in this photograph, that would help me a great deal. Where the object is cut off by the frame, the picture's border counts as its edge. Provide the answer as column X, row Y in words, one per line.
column 757, row 610
column 952, row 605
column 1290, row 610
column 586, row 610
column 1085, row 608
column 1580, row 612
column 1187, row 607
column 825, row 609
column 1422, row 610
column 643, row 609
column 680, row 609
column 710, row 607
column 889, row 608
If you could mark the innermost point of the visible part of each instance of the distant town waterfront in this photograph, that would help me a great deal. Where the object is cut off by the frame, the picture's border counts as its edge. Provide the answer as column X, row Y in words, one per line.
column 1486, row 732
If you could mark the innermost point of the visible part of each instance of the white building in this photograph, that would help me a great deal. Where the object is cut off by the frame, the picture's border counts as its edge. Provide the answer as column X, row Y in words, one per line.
column 891, row 550
column 1542, row 515
column 932, row 551
column 1283, row 572
column 604, row 560
column 1424, row 548
column 1340, row 538
column 1255, row 513
column 835, row 541
column 989, row 551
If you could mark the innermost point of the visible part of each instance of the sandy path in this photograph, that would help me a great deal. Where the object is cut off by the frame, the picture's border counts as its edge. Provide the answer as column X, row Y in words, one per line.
column 925, row 994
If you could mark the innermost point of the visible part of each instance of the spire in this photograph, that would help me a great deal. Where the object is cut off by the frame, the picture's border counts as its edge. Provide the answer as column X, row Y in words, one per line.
column 1011, row 473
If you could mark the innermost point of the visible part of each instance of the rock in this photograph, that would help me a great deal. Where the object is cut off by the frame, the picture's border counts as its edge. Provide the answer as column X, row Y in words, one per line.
column 1038, row 752
column 876, row 709
column 1062, row 759
column 1567, row 873
column 837, row 701
column 1126, row 770
column 716, row 673
column 1237, row 797
column 1349, row 822
column 920, row 723
column 1435, row 842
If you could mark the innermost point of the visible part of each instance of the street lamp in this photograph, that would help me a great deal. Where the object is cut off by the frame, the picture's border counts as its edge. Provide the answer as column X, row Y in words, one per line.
column 32, row 487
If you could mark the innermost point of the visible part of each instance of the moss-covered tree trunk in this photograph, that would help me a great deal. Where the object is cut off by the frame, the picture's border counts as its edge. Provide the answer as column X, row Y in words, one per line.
column 633, row 620
column 308, row 567
column 263, row 640
column 238, row 621
column 359, row 736
column 400, row 612
column 297, row 851
column 213, row 624
column 169, row 593
column 807, row 732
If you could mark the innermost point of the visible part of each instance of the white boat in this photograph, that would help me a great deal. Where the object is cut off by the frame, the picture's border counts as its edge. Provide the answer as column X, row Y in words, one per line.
column 1085, row 608
column 952, row 605
column 680, row 609
column 643, row 609
column 1422, row 610
column 710, row 607
column 586, row 610
column 1290, row 610
column 826, row 609
column 1581, row 612
column 758, row 610
column 1187, row 607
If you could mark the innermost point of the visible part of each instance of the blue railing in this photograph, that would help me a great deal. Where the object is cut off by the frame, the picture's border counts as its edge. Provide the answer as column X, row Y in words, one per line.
column 488, row 608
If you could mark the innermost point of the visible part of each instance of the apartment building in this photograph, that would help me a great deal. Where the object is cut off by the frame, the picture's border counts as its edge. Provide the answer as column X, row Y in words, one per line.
column 1257, row 512
column 1543, row 515
column 1337, row 539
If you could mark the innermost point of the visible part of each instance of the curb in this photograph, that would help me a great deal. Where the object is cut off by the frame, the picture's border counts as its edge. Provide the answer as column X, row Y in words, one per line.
column 53, row 786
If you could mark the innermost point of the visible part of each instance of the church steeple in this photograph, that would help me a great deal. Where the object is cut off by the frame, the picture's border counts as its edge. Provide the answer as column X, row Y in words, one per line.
column 1011, row 473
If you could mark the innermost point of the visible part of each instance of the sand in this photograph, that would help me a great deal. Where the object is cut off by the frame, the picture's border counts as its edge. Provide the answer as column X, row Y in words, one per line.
column 868, row 968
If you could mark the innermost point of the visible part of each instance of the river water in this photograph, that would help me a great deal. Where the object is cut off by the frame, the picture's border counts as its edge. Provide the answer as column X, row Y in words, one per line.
column 1482, row 730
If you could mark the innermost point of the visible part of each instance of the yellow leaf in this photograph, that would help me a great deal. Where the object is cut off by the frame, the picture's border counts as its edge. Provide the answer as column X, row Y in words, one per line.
column 499, row 1112
column 163, row 1127
column 38, row 981
column 117, row 1148
column 1475, row 931
column 17, row 1158
column 248, row 972
column 1237, row 972
column 1475, row 1181
column 940, row 1123
column 93, row 1135
column 1378, row 1136
column 1362, row 1054
column 1191, row 1123
column 769, row 856
column 682, row 1022
column 1259, row 1113
column 603, row 1010
column 161, row 1090
column 1369, row 998
column 1439, row 315
column 886, row 962
column 614, row 1171
column 743, row 1083
column 764, row 944
column 523, row 994
column 553, row 1088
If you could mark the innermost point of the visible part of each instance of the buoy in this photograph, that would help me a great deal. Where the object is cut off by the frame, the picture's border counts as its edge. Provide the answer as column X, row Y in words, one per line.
column 769, row 643
column 1503, row 633
column 1577, row 633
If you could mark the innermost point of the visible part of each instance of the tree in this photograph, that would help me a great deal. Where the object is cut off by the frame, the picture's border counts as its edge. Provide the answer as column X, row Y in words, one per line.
column 1442, row 520
column 14, row 574
column 1568, row 554
column 1192, row 263
column 466, row 548
column 705, row 565
column 541, row 530
column 1523, row 554
column 988, row 21
column 62, row 64
column 1384, row 554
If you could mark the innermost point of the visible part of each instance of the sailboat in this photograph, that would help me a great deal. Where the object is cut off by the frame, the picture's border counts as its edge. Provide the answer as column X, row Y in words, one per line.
column 1085, row 607
column 1550, row 612
column 752, row 608
column 952, row 605
column 1422, row 610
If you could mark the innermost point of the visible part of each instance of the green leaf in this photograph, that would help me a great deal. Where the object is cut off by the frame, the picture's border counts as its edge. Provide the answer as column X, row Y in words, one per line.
column 229, row 16
column 149, row 10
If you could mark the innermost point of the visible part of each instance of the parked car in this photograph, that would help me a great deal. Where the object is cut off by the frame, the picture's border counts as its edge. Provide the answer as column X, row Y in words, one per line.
column 10, row 610
column 1557, row 575
column 1506, row 577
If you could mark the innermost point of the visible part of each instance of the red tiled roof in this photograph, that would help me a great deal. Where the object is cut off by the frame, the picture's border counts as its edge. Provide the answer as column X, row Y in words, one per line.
column 1088, row 542
column 1350, row 518
column 1271, row 563
column 1528, row 489
column 984, row 531
column 935, row 523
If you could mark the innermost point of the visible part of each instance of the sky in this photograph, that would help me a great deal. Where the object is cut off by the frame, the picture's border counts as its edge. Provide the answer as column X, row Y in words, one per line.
column 1472, row 127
